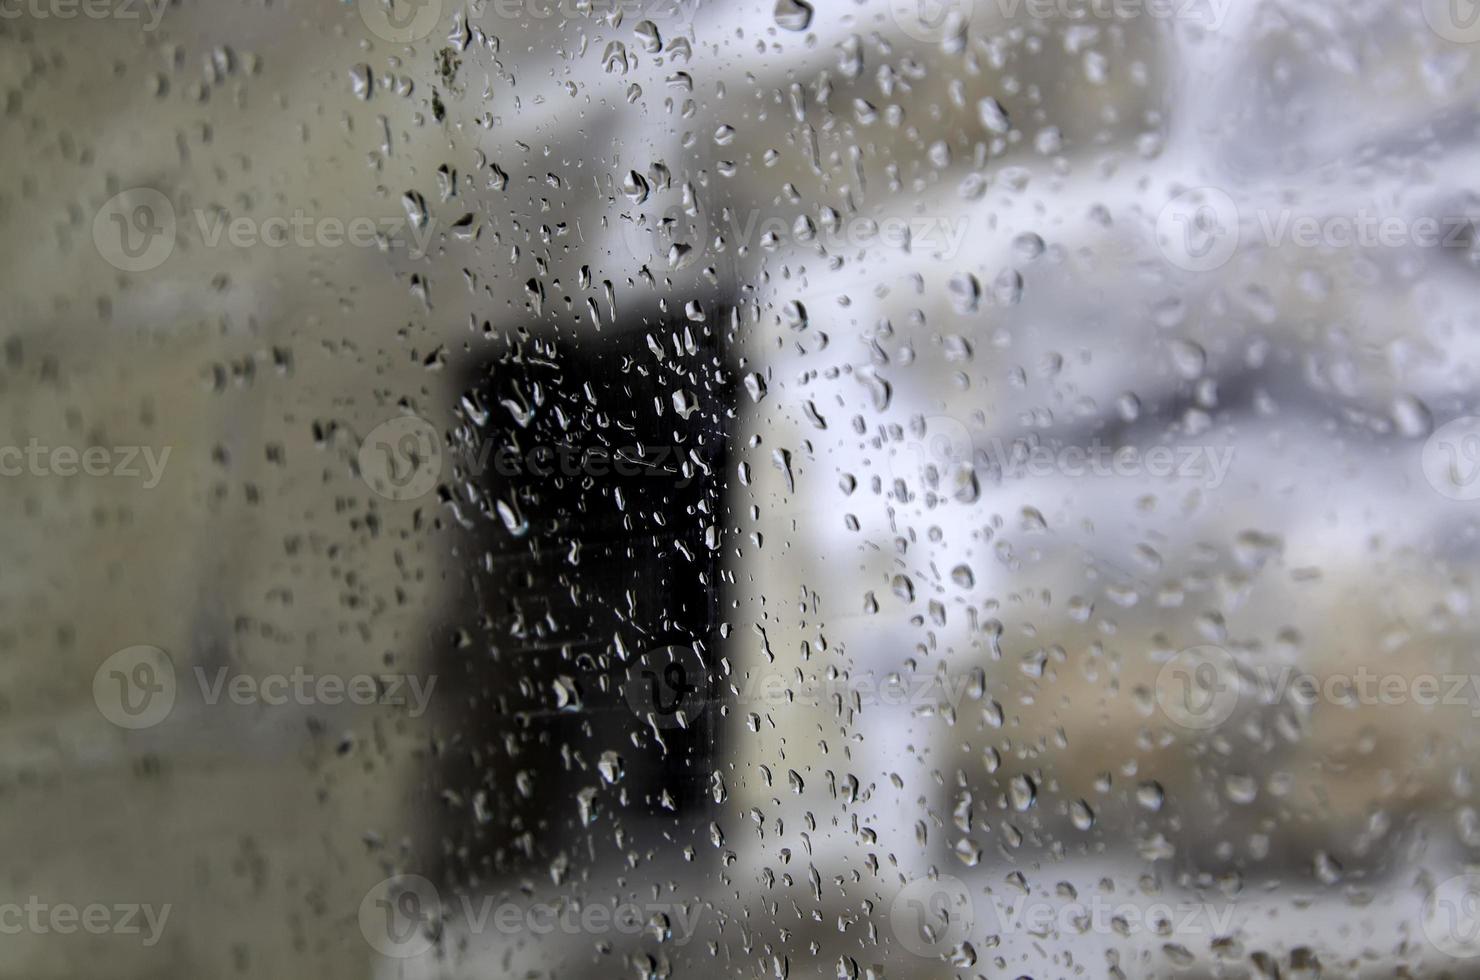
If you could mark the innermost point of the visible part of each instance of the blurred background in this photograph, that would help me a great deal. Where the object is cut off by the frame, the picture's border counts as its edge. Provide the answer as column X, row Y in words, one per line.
column 588, row 488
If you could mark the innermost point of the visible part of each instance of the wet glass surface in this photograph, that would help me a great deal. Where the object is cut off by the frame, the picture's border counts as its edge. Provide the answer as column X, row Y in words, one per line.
column 666, row 488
